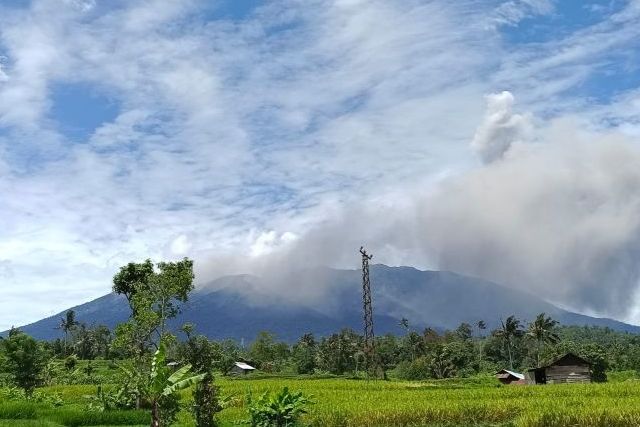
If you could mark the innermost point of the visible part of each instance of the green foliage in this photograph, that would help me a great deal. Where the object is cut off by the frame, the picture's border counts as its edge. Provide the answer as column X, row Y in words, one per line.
column 67, row 323
column 280, row 410
column 201, row 353
column 18, row 410
column 70, row 362
column 337, row 353
column 123, row 397
column 89, row 343
column 16, row 394
column 418, row 369
column 542, row 331
column 24, row 359
column 267, row 353
column 509, row 331
column 304, row 354
column 206, row 402
column 72, row 417
column 154, row 295
column 163, row 385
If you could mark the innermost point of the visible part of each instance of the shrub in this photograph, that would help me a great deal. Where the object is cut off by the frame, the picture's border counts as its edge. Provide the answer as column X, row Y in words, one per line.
column 283, row 409
column 419, row 369
column 70, row 362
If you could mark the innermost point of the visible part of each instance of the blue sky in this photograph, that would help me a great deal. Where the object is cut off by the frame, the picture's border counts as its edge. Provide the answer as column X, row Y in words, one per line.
column 232, row 130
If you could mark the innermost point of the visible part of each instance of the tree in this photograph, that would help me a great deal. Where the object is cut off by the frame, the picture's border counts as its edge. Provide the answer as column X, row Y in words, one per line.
column 413, row 345
column 164, row 384
column 542, row 332
column 597, row 355
column 268, row 353
column 24, row 359
column 67, row 324
column 304, row 354
column 404, row 324
column 508, row 332
column 464, row 332
column 481, row 326
column 441, row 362
column 336, row 353
column 154, row 295
column 229, row 353
column 201, row 353
column 387, row 351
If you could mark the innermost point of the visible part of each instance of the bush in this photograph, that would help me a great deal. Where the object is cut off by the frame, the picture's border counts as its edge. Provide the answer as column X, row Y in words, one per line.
column 419, row 369
column 70, row 362
column 283, row 409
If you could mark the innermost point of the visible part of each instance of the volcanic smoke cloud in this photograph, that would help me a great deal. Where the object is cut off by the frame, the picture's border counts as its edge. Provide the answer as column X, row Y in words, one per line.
column 558, row 217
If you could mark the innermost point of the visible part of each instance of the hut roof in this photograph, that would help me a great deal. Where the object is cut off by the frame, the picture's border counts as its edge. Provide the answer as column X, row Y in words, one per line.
column 567, row 359
column 505, row 373
column 244, row 366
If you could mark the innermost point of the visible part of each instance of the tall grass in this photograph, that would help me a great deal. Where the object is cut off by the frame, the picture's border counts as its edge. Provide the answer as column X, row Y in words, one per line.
column 19, row 410
column 72, row 417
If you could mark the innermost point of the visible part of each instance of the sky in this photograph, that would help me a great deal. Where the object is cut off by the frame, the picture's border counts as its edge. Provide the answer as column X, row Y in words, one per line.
column 492, row 138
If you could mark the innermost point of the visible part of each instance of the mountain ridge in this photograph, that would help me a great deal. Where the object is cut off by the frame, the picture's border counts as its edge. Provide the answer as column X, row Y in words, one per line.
column 224, row 307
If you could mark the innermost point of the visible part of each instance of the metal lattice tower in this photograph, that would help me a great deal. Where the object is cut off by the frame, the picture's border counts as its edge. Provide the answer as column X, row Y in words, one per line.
column 369, row 342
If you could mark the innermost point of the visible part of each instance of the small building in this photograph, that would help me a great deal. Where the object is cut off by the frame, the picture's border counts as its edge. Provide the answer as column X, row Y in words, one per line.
column 241, row 368
column 567, row 369
column 509, row 377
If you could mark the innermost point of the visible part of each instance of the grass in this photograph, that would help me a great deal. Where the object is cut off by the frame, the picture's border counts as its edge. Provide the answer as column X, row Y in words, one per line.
column 480, row 401
column 358, row 403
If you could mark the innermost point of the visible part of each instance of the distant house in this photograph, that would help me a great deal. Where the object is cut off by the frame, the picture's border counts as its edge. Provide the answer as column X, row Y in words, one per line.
column 509, row 377
column 241, row 368
column 567, row 369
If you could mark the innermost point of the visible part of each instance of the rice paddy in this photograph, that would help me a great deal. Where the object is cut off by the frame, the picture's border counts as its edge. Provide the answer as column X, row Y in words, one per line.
column 347, row 402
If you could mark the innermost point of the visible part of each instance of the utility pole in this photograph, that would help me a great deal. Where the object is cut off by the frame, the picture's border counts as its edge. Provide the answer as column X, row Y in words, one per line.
column 371, row 361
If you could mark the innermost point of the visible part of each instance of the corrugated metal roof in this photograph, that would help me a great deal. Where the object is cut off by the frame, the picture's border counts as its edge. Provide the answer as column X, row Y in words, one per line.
column 576, row 358
column 243, row 365
column 515, row 374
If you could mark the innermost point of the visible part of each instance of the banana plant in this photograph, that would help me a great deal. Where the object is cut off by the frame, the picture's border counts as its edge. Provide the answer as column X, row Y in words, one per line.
column 164, row 382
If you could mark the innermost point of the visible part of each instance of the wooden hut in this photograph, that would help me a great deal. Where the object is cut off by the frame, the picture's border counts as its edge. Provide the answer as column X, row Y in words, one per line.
column 567, row 369
column 241, row 368
column 509, row 377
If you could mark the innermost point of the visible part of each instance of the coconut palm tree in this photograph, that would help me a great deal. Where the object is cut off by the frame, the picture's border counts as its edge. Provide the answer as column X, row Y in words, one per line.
column 67, row 323
column 542, row 332
column 481, row 327
column 404, row 324
column 508, row 331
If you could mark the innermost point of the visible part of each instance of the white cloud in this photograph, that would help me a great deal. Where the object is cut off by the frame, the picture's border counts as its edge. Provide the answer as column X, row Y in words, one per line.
column 180, row 246
column 232, row 137
column 513, row 11
column 269, row 241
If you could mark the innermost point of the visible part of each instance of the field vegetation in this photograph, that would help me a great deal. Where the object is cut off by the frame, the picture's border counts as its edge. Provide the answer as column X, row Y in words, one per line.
column 144, row 373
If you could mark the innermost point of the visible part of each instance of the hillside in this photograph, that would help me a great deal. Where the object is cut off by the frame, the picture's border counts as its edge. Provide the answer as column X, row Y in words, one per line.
column 239, row 307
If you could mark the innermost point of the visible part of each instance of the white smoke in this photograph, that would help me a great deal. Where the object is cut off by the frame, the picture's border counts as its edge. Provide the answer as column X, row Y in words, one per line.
column 559, row 218
column 500, row 129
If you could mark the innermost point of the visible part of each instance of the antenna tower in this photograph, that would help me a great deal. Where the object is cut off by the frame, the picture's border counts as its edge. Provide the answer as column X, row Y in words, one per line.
column 369, row 342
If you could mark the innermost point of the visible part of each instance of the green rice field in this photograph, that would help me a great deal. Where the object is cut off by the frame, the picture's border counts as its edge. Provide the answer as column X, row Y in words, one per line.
column 346, row 402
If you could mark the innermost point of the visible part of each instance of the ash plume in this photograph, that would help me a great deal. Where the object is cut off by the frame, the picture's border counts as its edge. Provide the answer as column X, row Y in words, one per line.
column 559, row 218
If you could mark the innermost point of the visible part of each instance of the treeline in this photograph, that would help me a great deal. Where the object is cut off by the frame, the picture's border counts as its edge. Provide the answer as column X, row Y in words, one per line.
column 409, row 354
column 155, row 292
column 462, row 352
